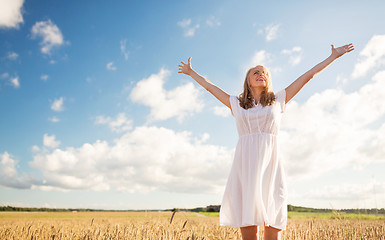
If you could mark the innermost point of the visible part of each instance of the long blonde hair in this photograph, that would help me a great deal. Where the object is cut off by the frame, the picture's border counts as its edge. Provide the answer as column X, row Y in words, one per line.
column 267, row 96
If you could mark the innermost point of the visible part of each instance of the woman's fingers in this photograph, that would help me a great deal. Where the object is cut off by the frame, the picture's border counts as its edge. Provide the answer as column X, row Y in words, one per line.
column 350, row 47
column 184, row 67
column 181, row 67
column 343, row 49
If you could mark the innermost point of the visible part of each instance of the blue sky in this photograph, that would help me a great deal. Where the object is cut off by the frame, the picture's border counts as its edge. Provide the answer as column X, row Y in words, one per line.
column 95, row 115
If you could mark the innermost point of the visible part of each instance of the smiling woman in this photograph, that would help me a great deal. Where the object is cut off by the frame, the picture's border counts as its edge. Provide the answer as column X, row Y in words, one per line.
column 256, row 191
column 55, row 86
column 257, row 77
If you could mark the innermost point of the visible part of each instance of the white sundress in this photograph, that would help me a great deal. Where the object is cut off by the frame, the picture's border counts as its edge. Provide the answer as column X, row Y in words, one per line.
column 256, row 192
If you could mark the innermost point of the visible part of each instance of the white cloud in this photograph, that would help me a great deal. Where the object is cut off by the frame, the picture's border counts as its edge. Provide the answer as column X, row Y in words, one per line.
column 50, row 34
column 178, row 102
column 142, row 160
column 12, row 55
column 293, row 50
column 35, row 149
column 222, row 111
column 347, row 191
column 341, row 79
column 295, row 55
column 332, row 130
column 184, row 23
column 54, row 119
column 189, row 31
column 57, row 105
column 7, row 165
column 123, row 49
column 270, row 32
column 4, row 75
column 343, row 196
column 50, row 141
column 372, row 56
column 11, row 13
column 120, row 124
column 110, row 66
column 9, row 176
column 44, row 77
column 261, row 58
column 213, row 22
column 15, row 82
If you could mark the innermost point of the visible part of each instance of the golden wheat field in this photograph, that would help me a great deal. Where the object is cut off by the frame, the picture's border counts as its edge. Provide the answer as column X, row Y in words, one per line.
column 156, row 225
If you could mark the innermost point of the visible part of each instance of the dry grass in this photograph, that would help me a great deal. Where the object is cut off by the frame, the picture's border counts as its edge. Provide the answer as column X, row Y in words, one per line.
column 156, row 225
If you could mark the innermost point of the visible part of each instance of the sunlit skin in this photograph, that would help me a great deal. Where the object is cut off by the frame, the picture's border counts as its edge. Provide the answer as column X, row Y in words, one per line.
column 257, row 82
column 291, row 90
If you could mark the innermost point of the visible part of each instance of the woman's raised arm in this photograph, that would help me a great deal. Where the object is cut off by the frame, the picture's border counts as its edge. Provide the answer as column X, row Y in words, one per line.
column 209, row 86
column 298, row 84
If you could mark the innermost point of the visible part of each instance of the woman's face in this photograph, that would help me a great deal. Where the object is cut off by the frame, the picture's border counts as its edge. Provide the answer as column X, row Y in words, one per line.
column 258, row 77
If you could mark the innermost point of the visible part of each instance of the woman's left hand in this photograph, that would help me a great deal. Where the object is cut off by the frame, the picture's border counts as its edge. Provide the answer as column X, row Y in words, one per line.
column 338, row 52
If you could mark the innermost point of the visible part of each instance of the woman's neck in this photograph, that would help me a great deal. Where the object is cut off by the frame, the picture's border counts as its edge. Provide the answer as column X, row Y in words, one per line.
column 256, row 92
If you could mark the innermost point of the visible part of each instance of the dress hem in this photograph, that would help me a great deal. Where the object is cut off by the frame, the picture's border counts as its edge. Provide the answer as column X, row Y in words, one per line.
column 247, row 225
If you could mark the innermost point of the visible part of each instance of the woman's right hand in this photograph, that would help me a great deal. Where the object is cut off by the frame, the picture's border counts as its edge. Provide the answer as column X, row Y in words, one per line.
column 206, row 84
column 185, row 68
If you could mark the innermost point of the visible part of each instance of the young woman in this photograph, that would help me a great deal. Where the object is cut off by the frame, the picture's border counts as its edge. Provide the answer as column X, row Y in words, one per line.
column 256, row 193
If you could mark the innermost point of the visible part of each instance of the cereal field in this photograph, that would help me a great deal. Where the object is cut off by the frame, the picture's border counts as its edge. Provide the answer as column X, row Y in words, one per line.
column 156, row 225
